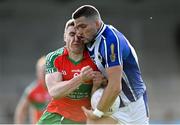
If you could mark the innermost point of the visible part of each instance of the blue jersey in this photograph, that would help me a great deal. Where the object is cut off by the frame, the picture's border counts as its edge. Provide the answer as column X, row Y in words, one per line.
column 111, row 48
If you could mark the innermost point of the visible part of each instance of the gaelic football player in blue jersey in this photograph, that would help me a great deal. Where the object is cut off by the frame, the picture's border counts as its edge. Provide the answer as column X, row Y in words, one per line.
column 117, row 60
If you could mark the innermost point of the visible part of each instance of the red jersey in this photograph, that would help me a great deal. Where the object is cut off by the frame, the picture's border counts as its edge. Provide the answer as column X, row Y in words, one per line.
column 70, row 106
column 39, row 97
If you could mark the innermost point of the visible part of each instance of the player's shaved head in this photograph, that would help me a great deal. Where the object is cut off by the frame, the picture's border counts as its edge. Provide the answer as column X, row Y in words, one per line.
column 87, row 11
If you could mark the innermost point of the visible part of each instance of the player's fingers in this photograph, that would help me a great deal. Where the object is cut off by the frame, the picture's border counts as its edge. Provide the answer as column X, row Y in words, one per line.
column 84, row 110
column 85, row 68
column 87, row 112
column 97, row 72
column 87, row 72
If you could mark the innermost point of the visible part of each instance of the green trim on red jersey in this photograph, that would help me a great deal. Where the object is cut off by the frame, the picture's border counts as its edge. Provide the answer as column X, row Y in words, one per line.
column 50, row 58
column 56, row 119
column 75, row 62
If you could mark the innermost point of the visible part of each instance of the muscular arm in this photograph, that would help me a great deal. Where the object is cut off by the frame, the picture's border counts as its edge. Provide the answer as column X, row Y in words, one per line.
column 113, row 88
column 58, row 88
column 21, row 111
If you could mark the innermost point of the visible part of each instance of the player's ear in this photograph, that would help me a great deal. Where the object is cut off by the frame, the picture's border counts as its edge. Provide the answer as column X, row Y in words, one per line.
column 98, row 23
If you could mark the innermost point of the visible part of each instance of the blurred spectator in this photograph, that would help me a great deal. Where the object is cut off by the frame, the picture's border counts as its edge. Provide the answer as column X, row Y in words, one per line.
column 35, row 96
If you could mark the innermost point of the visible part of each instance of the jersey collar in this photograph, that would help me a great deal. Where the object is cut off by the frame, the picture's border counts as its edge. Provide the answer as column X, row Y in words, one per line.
column 65, row 51
column 85, row 53
column 100, row 31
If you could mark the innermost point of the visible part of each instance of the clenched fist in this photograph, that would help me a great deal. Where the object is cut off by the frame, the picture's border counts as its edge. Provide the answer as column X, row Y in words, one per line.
column 87, row 74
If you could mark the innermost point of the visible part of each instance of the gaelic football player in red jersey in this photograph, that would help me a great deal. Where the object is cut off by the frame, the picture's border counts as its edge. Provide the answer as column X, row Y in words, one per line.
column 35, row 96
column 70, row 76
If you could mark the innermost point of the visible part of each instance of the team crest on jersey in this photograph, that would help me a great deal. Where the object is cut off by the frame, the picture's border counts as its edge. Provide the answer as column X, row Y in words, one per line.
column 112, row 56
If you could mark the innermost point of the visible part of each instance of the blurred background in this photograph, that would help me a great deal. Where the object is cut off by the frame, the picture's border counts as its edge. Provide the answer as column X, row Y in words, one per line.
column 32, row 28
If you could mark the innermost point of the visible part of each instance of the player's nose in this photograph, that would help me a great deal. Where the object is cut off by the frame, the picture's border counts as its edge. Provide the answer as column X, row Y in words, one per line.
column 79, row 33
column 77, row 38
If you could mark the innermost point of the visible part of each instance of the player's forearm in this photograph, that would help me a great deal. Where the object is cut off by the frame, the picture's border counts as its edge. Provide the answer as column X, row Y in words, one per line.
column 112, row 90
column 63, row 88
column 59, row 88
column 109, row 96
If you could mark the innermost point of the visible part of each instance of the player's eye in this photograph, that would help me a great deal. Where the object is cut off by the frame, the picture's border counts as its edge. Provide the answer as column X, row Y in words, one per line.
column 72, row 34
column 82, row 26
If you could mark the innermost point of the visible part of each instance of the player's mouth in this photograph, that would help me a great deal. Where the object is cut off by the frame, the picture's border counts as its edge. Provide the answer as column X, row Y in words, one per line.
column 76, row 44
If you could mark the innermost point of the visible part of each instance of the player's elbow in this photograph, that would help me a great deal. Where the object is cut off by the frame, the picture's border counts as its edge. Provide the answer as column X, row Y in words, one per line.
column 52, row 89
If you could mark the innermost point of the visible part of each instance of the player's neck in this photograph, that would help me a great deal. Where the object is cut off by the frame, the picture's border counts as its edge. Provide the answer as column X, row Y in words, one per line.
column 76, row 56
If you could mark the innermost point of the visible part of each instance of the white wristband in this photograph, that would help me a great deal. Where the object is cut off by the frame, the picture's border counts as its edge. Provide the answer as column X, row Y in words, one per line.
column 98, row 113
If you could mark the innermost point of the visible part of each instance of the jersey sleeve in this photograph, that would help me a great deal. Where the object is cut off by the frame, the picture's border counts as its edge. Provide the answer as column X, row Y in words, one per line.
column 50, row 66
column 51, row 60
column 112, row 54
column 114, row 49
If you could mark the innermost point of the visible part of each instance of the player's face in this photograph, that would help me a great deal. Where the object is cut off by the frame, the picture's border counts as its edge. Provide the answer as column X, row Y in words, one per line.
column 86, row 28
column 73, row 43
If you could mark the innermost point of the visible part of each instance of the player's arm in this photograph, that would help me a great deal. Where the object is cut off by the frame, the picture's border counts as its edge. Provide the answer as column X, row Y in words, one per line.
column 58, row 88
column 113, row 88
column 21, row 111
column 114, row 49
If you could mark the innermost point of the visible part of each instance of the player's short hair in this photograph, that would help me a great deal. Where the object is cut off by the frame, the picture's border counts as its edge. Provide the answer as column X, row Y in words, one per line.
column 69, row 23
column 86, row 11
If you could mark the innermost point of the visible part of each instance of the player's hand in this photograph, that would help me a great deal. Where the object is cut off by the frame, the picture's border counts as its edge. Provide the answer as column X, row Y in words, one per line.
column 86, row 74
column 89, row 114
column 98, row 79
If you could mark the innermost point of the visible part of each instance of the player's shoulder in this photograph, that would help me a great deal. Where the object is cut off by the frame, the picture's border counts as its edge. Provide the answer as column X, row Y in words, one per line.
column 111, row 34
column 54, row 54
column 109, row 30
column 51, row 59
